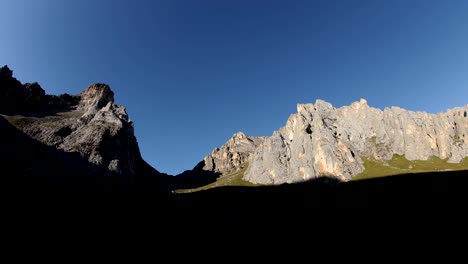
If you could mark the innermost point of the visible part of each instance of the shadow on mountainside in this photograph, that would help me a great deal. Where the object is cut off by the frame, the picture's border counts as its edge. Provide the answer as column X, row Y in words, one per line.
column 422, row 202
column 401, row 198
column 197, row 177
column 49, row 105
column 32, row 168
column 29, row 166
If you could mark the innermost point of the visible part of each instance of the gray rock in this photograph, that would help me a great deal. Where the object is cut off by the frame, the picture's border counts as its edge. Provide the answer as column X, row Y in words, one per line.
column 97, row 129
column 71, row 142
column 35, row 92
column 233, row 154
column 97, row 95
column 321, row 140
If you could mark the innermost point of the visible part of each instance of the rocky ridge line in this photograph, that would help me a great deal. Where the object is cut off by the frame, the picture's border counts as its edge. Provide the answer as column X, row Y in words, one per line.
column 321, row 140
column 89, row 124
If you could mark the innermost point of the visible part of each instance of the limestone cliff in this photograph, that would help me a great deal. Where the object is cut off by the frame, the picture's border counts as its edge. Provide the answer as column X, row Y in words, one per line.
column 235, row 152
column 321, row 140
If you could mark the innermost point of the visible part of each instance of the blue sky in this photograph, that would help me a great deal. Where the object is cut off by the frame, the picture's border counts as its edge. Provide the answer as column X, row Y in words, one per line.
column 192, row 73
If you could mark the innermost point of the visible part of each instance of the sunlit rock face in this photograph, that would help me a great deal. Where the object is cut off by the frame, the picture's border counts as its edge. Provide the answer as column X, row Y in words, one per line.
column 235, row 152
column 321, row 140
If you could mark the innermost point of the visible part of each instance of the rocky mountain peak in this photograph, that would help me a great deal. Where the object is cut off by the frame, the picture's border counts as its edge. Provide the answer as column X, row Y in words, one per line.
column 235, row 152
column 17, row 97
column 97, row 95
column 305, row 108
column 35, row 88
column 239, row 135
column 5, row 72
column 88, row 127
column 322, row 105
column 361, row 103
column 238, row 138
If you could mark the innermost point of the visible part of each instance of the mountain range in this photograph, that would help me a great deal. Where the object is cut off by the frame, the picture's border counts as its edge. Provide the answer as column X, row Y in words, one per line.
column 87, row 142
column 65, row 151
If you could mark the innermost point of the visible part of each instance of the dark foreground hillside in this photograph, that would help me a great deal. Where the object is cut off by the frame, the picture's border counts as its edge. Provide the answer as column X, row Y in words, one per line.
column 427, row 197
column 420, row 196
column 408, row 213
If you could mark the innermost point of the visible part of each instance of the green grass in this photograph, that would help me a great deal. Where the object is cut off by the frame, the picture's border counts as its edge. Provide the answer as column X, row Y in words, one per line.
column 51, row 121
column 231, row 179
column 400, row 165
column 18, row 121
column 373, row 169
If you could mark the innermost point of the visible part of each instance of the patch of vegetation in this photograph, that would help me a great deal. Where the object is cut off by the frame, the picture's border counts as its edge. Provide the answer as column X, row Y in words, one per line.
column 400, row 165
column 19, row 121
column 231, row 179
column 56, row 120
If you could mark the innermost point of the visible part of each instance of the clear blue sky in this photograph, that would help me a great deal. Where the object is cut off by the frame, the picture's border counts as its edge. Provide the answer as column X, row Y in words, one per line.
column 192, row 73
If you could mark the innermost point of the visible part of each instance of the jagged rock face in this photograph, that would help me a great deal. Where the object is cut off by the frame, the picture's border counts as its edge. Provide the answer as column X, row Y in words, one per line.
column 233, row 154
column 96, row 96
column 321, row 140
column 12, row 92
column 29, row 98
column 101, row 134
column 88, row 124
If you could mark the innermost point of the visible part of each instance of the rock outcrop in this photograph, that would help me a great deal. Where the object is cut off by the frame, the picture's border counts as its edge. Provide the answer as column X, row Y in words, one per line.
column 29, row 98
column 235, row 152
column 89, row 125
column 15, row 96
column 320, row 140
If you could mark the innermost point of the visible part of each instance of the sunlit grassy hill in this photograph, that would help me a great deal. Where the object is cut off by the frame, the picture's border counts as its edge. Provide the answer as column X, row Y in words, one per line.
column 373, row 169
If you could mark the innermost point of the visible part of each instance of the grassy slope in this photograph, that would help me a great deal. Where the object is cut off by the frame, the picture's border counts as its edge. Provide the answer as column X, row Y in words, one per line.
column 373, row 169
column 231, row 179
column 400, row 165
column 52, row 120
